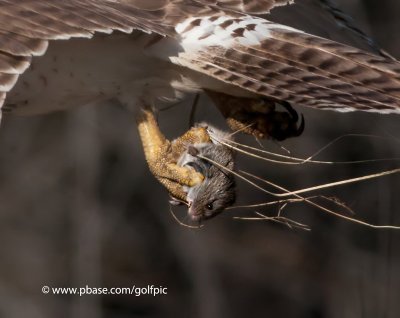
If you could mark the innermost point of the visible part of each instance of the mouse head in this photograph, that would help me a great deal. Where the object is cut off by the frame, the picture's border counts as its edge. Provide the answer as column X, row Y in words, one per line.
column 211, row 197
column 217, row 191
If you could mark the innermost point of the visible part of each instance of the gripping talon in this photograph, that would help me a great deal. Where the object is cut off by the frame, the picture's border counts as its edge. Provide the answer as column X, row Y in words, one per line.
column 300, row 128
column 259, row 117
column 291, row 111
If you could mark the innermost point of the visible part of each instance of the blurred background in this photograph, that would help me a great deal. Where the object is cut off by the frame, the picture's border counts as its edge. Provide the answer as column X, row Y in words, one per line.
column 79, row 207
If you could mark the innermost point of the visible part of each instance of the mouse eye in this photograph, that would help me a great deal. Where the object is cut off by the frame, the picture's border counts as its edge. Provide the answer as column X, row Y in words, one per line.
column 209, row 206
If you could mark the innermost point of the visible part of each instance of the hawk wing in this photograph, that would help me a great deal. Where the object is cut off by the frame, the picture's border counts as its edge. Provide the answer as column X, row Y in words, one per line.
column 234, row 41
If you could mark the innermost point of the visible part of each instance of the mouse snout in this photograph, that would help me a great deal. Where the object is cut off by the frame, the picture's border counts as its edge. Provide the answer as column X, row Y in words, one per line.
column 194, row 213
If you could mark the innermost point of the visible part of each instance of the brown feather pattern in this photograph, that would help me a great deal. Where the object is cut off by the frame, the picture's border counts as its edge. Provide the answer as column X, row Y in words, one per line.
column 287, row 65
column 305, row 69
column 26, row 26
column 247, row 6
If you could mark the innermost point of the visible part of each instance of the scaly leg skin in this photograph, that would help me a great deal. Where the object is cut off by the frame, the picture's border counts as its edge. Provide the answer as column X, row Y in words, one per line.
column 195, row 135
column 161, row 159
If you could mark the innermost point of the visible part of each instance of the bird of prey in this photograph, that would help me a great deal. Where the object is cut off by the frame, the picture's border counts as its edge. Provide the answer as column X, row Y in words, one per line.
column 57, row 54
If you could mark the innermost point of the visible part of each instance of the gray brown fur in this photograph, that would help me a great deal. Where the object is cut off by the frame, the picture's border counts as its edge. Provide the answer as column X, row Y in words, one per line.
column 217, row 191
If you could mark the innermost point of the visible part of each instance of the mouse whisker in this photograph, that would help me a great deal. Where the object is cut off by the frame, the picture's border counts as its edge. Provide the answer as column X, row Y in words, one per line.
column 182, row 223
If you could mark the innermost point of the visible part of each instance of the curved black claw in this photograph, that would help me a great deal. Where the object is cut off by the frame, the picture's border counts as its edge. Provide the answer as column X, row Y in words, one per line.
column 300, row 128
column 259, row 116
column 290, row 110
column 285, row 124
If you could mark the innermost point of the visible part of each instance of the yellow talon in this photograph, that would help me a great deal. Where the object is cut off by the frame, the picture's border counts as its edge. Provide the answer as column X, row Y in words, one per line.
column 162, row 155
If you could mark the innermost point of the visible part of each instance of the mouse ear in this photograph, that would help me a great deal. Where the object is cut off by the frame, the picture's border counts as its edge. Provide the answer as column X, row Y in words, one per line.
column 193, row 151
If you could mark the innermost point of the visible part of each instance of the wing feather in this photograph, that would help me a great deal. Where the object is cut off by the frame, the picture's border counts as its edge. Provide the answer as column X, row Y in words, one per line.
column 27, row 26
column 248, row 6
column 20, row 45
column 260, row 56
column 284, row 63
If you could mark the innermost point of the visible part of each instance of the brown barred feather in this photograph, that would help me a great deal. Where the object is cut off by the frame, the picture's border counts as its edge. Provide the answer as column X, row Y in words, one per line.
column 19, row 45
column 248, row 6
column 287, row 65
column 13, row 64
column 302, row 68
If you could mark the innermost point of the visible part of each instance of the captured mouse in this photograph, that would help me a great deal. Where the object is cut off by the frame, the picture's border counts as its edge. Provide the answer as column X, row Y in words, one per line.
column 217, row 191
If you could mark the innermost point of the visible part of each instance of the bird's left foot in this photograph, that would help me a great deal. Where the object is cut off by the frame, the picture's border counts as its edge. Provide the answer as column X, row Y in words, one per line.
column 259, row 117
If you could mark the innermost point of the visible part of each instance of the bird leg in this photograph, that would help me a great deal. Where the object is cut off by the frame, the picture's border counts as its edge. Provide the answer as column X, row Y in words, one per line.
column 162, row 155
column 258, row 117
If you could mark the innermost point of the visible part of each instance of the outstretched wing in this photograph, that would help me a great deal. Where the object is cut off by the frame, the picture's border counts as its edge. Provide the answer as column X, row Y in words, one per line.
column 283, row 63
column 219, row 38
column 26, row 26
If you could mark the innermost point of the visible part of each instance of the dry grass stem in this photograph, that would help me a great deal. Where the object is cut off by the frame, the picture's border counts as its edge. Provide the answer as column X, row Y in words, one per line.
column 294, row 160
column 308, row 201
